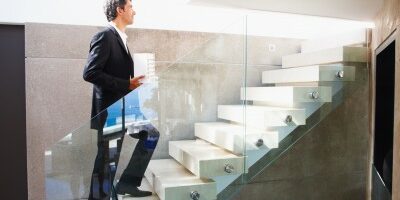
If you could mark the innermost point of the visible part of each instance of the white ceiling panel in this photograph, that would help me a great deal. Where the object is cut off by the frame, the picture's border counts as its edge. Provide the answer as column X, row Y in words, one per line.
column 364, row 10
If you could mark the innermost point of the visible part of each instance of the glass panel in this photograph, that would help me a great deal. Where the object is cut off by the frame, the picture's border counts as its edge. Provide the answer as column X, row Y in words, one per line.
column 85, row 157
column 179, row 105
column 176, row 129
column 209, row 123
column 296, row 106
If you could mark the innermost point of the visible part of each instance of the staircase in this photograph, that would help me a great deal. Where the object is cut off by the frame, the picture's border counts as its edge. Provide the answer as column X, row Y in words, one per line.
column 224, row 150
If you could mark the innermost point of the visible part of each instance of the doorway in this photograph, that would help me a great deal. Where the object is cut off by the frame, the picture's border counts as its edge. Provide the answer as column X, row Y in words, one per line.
column 384, row 122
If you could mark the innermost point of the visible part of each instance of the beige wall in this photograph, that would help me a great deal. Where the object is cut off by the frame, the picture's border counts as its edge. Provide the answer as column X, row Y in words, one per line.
column 58, row 100
column 387, row 20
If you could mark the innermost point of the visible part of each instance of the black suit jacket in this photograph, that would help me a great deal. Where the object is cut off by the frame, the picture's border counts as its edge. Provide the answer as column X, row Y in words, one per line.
column 109, row 67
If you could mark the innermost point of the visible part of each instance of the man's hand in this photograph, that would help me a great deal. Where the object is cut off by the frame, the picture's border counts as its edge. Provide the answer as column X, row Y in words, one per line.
column 135, row 82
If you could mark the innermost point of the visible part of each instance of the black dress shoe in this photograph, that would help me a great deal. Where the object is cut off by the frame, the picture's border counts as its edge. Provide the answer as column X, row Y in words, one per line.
column 132, row 191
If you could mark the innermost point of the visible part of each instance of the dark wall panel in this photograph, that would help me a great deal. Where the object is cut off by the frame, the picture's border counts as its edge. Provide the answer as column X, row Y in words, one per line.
column 13, row 171
column 384, row 114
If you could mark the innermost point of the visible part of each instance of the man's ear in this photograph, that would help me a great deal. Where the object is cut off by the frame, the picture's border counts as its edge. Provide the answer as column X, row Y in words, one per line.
column 119, row 10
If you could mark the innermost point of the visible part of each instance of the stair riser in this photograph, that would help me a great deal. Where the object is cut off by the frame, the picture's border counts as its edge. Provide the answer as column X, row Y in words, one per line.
column 262, row 119
column 207, row 192
column 213, row 168
column 286, row 96
column 329, row 56
column 150, row 177
column 356, row 37
column 206, row 168
column 171, row 181
column 308, row 74
column 232, row 140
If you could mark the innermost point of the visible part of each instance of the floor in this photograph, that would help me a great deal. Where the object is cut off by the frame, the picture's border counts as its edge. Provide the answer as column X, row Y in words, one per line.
column 60, row 189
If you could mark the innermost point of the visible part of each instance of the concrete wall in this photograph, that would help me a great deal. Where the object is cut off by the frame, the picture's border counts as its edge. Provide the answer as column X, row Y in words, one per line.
column 388, row 20
column 58, row 100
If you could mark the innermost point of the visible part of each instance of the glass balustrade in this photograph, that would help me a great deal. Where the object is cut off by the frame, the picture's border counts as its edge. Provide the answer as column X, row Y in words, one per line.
column 167, row 136
column 206, row 125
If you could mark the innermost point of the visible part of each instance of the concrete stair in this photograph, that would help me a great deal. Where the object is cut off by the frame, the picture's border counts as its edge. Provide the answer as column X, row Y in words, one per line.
column 306, row 81
column 286, row 96
column 350, row 38
column 231, row 137
column 171, row 181
column 204, row 159
column 327, row 56
column 315, row 73
column 262, row 117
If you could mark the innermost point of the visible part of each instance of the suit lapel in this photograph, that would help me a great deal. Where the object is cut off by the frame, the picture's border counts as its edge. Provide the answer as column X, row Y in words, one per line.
column 119, row 39
column 122, row 46
column 129, row 53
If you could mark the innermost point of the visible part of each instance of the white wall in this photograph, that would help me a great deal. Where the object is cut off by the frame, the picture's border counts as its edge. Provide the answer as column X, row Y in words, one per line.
column 176, row 15
column 12, row 11
column 344, row 9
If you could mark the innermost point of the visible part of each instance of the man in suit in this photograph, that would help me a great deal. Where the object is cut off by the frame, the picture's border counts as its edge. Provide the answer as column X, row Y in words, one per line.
column 110, row 69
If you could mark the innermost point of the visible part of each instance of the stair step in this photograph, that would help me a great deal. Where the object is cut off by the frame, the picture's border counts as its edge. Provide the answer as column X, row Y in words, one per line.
column 349, row 38
column 204, row 159
column 327, row 56
column 316, row 73
column 262, row 116
column 171, row 181
column 286, row 95
column 231, row 136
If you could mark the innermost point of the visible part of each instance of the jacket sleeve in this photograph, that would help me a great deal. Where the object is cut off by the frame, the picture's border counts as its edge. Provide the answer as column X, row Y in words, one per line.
column 94, row 69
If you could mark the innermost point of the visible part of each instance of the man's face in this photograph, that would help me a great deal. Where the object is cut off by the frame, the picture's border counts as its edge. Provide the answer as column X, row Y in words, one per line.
column 127, row 13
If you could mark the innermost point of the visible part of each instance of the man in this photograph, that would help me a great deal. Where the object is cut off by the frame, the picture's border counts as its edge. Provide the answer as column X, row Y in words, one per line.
column 110, row 68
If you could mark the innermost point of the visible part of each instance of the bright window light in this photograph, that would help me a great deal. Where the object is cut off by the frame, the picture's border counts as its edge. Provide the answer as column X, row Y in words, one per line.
column 179, row 15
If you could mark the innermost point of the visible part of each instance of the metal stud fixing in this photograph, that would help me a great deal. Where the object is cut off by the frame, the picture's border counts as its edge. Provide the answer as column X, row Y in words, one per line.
column 340, row 74
column 289, row 119
column 259, row 142
column 314, row 95
column 229, row 168
column 194, row 195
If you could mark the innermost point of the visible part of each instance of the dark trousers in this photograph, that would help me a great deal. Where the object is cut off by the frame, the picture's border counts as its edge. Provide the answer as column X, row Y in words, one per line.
column 101, row 170
column 134, row 172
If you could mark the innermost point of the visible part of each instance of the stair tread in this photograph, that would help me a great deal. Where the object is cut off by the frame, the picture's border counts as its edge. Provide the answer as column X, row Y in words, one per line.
column 285, row 87
column 231, row 136
column 348, row 38
column 171, row 180
column 326, row 56
column 203, row 150
column 260, row 108
column 312, row 73
column 204, row 159
column 285, row 96
column 236, row 129
column 171, row 173
column 262, row 116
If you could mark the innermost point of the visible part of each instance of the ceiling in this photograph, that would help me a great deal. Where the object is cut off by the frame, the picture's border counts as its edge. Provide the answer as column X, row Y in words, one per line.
column 364, row 10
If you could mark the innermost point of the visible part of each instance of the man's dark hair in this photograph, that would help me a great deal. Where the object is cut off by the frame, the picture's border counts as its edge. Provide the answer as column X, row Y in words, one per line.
column 110, row 8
